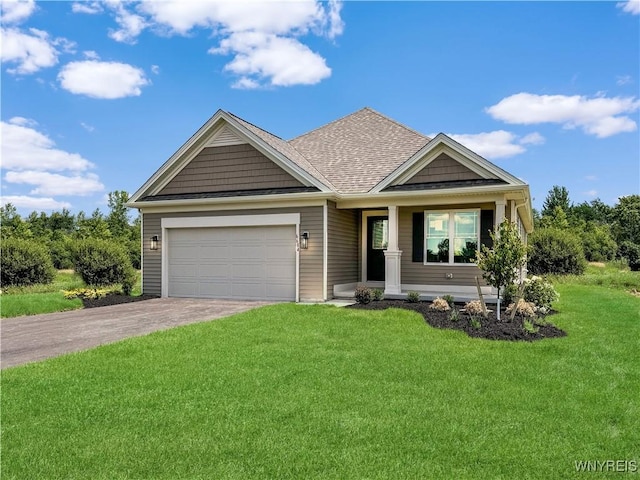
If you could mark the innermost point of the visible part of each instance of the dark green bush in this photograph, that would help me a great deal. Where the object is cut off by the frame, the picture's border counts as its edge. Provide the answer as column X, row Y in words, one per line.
column 555, row 251
column 61, row 253
column 631, row 253
column 509, row 293
column 598, row 244
column 135, row 254
column 25, row 262
column 101, row 262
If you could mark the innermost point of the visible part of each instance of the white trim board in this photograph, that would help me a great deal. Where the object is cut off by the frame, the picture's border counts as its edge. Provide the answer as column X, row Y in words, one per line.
column 232, row 221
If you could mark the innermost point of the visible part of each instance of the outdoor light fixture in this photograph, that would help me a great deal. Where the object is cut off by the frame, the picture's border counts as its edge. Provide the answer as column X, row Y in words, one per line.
column 154, row 242
column 304, row 240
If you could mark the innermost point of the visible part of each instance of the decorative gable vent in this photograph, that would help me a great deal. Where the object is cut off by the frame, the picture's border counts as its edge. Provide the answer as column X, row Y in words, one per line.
column 224, row 137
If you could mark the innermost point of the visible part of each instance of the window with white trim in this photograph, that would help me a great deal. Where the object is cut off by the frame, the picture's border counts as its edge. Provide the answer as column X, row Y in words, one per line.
column 451, row 237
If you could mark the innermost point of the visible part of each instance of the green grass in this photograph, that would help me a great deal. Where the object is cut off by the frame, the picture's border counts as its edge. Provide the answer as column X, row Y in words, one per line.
column 46, row 298
column 293, row 391
column 610, row 275
column 41, row 298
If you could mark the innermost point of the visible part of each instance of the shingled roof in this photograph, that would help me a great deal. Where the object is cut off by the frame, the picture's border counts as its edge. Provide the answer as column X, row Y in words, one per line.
column 358, row 151
column 285, row 149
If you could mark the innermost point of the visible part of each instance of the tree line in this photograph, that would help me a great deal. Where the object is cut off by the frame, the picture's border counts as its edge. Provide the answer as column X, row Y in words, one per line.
column 567, row 235
column 59, row 231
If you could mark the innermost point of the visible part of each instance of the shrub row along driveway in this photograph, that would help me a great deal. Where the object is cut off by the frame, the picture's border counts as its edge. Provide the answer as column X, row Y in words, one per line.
column 30, row 339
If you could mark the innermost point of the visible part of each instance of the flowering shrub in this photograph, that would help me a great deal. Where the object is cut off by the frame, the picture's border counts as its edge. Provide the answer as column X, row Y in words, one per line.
column 363, row 294
column 87, row 293
column 540, row 292
column 523, row 308
column 440, row 304
column 474, row 308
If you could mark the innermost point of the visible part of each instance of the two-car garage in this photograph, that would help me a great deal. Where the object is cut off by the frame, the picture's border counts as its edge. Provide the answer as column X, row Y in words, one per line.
column 252, row 258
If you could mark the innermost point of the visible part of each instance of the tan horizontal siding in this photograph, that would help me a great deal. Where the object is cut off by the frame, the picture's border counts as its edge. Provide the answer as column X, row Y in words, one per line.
column 343, row 251
column 310, row 260
column 443, row 169
column 311, row 263
column 233, row 167
column 416, row 273
column 151, row 259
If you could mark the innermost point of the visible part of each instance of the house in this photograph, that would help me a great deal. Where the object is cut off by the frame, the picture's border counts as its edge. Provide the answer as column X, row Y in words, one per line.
column 238, row 212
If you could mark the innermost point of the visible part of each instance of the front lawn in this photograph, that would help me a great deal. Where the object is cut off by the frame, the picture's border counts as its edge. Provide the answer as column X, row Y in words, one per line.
column 41, row 298
column 46, row 298
column 293, row 391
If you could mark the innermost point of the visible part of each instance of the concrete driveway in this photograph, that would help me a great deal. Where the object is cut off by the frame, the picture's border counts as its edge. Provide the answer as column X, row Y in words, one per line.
column 37, row 337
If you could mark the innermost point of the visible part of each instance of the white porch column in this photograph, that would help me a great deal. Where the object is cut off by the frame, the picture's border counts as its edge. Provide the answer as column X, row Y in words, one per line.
column 392, row 256
column 501, row 209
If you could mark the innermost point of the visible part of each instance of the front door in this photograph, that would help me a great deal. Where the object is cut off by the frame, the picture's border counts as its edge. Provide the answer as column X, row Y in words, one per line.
column 377, row 239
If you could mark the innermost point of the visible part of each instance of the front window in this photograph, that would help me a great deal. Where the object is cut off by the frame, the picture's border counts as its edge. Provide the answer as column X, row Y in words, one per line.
column 452, row 237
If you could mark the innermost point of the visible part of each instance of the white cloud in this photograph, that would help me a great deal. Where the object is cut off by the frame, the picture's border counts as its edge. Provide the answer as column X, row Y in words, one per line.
column 623, row 80
column 30, row 157
column 591, row 193
column 16, row 11
column 55, row 184
column 532, row 139
column 244, row 83
column 591, row 178
column 24, row 148
column 34, row 203
column 131, row 25
column 497, row 144
column 23, row 122
column 336, row 25
column 630, row 6
column 29, row 52
column 284, row 61
column 155, row 69
column 107, row 80
column 91, row 55
column 263, row 37
column 90, row 8
column 298, row 16
column 599, row 116
column 87, row 127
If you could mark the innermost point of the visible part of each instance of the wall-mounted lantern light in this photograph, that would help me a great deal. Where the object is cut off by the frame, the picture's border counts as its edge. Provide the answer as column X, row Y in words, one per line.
column 304, row 240
column 154, row 242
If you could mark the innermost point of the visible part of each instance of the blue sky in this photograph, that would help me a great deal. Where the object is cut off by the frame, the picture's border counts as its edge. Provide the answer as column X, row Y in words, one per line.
column 97, row 95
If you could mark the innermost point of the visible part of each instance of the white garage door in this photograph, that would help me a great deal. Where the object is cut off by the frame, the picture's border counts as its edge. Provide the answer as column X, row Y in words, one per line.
column 252, row 263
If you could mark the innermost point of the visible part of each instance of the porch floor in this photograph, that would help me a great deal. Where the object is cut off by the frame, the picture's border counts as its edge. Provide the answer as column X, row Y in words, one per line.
column 426, row 295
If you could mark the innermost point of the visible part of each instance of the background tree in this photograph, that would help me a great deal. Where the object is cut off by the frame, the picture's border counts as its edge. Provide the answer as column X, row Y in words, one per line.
column 118, row 217
column 557, row 197
column 625, row 218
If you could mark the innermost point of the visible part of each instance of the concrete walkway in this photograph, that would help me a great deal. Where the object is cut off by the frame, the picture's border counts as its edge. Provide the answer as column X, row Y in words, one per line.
column 37, row 337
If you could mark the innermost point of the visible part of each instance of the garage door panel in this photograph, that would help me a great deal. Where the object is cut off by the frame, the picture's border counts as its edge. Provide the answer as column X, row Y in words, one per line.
column 233, row 262
column 214, row 252
column 185, row 288
column 212, row 288
column 214, row 271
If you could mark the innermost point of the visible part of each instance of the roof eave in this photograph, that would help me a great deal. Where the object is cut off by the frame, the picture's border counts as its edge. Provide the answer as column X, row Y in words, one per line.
column 287, row 164
column 442, row 139
column 221, row 201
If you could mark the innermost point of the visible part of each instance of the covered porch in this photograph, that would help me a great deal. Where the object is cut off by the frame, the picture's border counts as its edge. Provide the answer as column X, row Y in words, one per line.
column 396, row 253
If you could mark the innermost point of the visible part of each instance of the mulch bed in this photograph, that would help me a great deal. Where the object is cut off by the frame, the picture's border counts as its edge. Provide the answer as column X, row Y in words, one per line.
column 490, row 328
column 113, row 299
